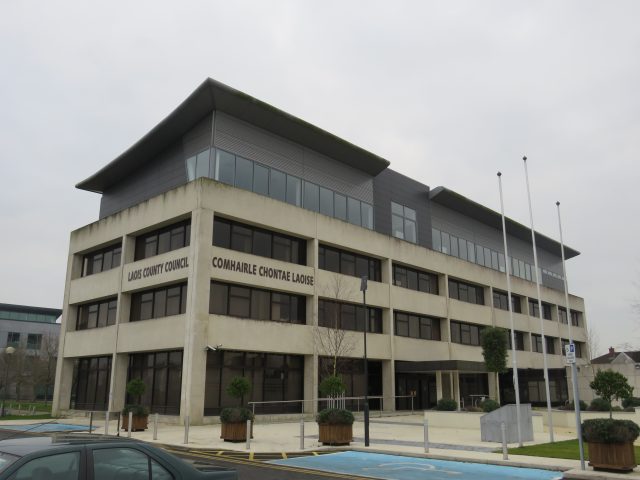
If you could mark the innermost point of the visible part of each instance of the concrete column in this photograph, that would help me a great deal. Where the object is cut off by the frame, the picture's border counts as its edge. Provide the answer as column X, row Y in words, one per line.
column 194, row 360
column 388, row 385
column 310, row 383
column 456, row 387
column 438, row 385
column 494, row 386
column 63, row 385
column 119, row 371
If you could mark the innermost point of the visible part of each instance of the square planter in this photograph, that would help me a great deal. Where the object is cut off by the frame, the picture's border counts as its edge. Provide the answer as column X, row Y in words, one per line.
column 335, row 434
column 234, row 431
column 138, row 423
column 612, row 456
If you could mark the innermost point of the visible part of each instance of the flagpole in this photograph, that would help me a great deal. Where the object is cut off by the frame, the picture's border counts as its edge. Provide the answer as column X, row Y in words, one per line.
column 544, row 340
column 507, row 262
column 574, row 373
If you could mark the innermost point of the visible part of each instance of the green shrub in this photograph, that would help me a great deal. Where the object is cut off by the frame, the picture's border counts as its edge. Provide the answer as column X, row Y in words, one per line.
column 331, row 386
column 136, row 387
column 599, row 405
column 571, row 406
column 631, row 402
column 335, row 416
column 630, row 409
column 137, row 410
column 238, row 387
column 616, row 409
column 447, row 405
column 489, row 405
column 607, row 430
column 235, row 415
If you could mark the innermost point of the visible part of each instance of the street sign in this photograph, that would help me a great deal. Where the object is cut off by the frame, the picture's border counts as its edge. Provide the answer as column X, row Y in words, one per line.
column 570, row 353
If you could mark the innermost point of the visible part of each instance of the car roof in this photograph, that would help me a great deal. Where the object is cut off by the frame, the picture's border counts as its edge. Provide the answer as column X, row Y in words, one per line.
column 25, row 445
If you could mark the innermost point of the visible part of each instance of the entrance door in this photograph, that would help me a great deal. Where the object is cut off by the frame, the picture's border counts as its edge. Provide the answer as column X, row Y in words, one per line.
column 421, row 385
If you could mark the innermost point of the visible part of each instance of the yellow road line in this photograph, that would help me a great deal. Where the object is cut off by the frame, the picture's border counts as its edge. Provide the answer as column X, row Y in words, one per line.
column 221, row 452
column 251, row 456
column 284, row 455
column 315, row 453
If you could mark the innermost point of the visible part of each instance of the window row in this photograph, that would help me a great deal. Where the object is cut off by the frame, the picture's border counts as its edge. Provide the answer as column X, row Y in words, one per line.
column 403, row 222
column 255, row 303
column 348, row 263
column 501, row 301
column 161, row 372
column 416, row 326
column 97, row 314
column 536, row 344
column 34, row 340
column 575, row 316
column 101, row 260
column 415, row 279
column 348, row 316
column 466, row 292
column 578, row 347
column 465, row 333
column 160, row 302
column 257, row 241
column 234, row 170
column 519, row 336
column 534, row 309
column 466, row 250
column 163, row 240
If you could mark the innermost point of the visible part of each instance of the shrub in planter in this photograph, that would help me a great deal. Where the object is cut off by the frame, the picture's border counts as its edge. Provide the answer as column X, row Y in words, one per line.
column 611, row 443
column 489, row 405
column 599, row 405
column 631, row 402
column 140, row 414
column 234, row 419
column 335, row 426
column 447, row 405
column 616, row 409
column 571, row 406
column 629, row 409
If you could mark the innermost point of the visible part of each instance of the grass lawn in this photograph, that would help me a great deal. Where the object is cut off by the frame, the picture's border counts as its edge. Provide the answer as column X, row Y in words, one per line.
column 39, row 406
column 565, row 449
column 44, row 416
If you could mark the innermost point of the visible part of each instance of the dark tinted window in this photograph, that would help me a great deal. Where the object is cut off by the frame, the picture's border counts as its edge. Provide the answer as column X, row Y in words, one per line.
column 97, row 314
column 101, row 260
column 500, row 301
column 347, row 316
column 466, row 292
column 348, row 263
column 258, row 241
column 534, row 309
column 415, row 279
column 259, row 304
column 160, row 302
column 417, row 326
column 465, row 333
column 163, row 240
column 162, row 375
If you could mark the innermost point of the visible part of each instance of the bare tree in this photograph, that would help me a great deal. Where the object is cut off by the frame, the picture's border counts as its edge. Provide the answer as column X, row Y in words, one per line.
column 593, row 342
column 331, row 340
column 44, row 371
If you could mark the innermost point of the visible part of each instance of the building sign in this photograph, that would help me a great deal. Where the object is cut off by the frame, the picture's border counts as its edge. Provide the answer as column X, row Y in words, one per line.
column 159, row 269
column 221, row 263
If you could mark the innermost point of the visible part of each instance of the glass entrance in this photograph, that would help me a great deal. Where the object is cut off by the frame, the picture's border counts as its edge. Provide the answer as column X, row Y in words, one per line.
column 421, row 385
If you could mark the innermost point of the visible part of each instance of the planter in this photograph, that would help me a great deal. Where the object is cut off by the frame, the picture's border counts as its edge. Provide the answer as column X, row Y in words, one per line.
column 138, row 423
column 234, row 431
column 335, row 434
column 612, row 456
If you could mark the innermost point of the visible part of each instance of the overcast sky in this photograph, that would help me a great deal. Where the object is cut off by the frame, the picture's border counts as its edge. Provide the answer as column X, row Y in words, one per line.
column 449, row 92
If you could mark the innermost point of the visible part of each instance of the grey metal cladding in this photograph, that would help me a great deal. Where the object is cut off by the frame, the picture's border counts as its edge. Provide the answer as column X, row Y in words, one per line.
column 166, row 172
column 198, row 138
column 390, row 186
column 266, row 148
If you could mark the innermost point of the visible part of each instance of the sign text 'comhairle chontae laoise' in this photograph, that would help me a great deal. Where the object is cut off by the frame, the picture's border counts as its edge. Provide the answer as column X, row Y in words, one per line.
column 261, row 271
column 159, row 268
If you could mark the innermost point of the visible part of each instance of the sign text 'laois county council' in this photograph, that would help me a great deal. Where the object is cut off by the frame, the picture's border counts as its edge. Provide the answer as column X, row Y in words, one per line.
column 261, row 271
column 159, row 268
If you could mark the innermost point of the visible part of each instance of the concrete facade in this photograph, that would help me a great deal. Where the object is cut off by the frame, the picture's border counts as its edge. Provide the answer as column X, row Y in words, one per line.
column 141, row 209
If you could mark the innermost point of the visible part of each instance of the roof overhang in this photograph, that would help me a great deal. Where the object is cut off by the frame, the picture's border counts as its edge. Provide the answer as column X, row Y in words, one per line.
column 213, row 95
column 455, row 201
column 27, row 309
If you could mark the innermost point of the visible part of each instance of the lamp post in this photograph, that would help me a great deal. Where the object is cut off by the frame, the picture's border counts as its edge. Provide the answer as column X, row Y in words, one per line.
column 7, row 351
column 363, row 288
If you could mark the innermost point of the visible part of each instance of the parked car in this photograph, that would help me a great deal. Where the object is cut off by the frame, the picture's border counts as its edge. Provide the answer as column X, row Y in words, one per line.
column 54, row 458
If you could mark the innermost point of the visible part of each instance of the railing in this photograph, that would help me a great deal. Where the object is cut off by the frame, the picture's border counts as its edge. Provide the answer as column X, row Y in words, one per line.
column 331, row 401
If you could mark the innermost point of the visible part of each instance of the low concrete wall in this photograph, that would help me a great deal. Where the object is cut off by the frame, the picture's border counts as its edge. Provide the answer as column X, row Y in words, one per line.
column 567, row 418
column 469, row 420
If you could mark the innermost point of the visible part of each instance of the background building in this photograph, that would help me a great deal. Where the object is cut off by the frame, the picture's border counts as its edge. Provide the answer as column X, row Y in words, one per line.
column 232, row 238
column 32, row 333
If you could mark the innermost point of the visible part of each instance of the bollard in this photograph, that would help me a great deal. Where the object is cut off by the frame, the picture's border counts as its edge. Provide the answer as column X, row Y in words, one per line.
column 118, row 424
column 248, row 434
column 186, row 429
column 155, row 426
column 90, row 422
column 130, row 424
column 426, row 436
column 505, row 453
column 302, row 434
column 106, row 423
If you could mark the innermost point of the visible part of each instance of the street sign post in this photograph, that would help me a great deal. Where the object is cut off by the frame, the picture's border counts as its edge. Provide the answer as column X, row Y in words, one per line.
column 570, row 353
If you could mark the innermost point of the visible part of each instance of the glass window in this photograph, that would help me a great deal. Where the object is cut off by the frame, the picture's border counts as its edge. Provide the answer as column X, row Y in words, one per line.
column 241, row 238
column 218, row 299
column 260, row 179
column 354, row 214
column 326, row 201
column 403, row 222
column 221, row 233
column 340, row 206
column 436, row 239
column 410, row 233
column 294, row 186
column 149, row 244
column 191, row 168
column 109, row 463
column 367, row 216
column 158, row 303
column 347, row 264
column 244, row 173
column 471, row 252
column 278, row 185
column 239, row 301
column 262, row 243
column 202, row 168
column 260, row 304
column 446, row 243
column 501, row 263
column 462, row 248
column 454, row 246
column 225, row 167
column 34, row 341
column 494, row 260
column 397, row 227
column 487, row 257
column 62, row 465
column 311, row 196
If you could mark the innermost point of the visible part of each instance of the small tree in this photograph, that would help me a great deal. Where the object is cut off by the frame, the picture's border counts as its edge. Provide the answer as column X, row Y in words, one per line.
column 238, row 388
column 610, row 386
column 494, row 351
column 136, row 389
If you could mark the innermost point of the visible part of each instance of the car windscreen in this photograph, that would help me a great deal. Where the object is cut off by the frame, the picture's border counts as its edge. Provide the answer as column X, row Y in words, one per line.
column 6, row 459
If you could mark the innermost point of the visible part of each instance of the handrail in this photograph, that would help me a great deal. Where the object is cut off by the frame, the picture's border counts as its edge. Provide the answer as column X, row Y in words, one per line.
column 331, row 399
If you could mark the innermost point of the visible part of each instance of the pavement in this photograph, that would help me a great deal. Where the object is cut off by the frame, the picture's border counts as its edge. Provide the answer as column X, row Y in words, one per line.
column 396, row 435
